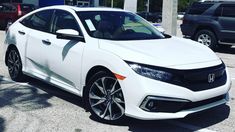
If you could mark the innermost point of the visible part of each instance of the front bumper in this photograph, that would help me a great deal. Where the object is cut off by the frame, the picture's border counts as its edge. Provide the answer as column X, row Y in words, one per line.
column 136, row 88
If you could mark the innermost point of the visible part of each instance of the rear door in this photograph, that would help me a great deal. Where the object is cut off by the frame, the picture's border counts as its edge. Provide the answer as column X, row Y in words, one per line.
column 38, row 43
column 227, row 22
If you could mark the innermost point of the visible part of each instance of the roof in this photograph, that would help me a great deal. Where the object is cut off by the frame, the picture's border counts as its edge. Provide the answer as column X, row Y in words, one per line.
column 217, row 1
column 82, row 8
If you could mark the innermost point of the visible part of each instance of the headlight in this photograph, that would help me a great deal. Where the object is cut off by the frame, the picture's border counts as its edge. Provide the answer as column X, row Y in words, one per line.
column 151, row 73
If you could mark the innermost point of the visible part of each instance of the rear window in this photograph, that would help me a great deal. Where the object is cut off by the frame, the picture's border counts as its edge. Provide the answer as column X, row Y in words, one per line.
column 27, row 7
column 198, row 8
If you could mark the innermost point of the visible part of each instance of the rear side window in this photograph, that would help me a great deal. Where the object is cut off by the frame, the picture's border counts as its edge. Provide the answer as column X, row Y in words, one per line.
column 39, row 21
column 198, row 8
column 228, row 11
column 218, row 11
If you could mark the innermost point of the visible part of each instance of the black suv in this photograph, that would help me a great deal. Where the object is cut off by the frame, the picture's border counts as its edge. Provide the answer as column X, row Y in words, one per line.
column 210, row 23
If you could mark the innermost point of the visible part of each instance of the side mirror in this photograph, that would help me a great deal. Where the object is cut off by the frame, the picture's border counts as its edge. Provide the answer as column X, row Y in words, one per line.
column 69, row 34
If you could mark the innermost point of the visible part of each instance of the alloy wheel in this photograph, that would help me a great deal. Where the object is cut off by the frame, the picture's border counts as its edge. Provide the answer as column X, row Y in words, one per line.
column 106, row 98
column 204, row 39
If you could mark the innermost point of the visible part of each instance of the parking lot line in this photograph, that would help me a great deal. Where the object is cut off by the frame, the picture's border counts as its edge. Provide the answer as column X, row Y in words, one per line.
column 189, row 126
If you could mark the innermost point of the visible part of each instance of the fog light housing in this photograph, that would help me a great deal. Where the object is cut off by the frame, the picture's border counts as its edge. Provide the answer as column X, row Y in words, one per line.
column 162, row 104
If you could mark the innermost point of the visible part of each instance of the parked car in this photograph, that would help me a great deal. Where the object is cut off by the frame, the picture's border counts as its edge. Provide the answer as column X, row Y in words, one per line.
column 117, row 62
column 210, row 23
column 159, row 27
column 180, row 15
column 152, row 17
column 10, row 12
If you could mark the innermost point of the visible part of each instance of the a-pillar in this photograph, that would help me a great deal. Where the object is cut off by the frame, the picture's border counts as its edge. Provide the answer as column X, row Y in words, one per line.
column 169, row 16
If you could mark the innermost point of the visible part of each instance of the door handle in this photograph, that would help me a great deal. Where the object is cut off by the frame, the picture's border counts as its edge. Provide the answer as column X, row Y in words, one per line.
column 21, row 32
column 47, row 42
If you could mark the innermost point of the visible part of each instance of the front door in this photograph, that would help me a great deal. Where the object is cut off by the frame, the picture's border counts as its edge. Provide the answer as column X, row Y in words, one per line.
column 66, row 55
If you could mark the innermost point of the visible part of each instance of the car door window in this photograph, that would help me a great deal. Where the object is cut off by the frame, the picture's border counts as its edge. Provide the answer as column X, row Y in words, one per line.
column 198, row 9
column 64, row 20
column 39, row 21
column 228, row 10
column 218, row 11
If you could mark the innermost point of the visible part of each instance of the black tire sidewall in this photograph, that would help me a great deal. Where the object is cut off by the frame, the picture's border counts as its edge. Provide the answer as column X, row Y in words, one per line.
column 20, row 75
column 209, row 33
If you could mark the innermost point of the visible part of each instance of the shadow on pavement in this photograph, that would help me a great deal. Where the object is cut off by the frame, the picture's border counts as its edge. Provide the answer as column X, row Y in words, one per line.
column 23, row 98
column 28, row 98
column 55, row 91
column 226, row 50
column 191, row 123
column 209, row 117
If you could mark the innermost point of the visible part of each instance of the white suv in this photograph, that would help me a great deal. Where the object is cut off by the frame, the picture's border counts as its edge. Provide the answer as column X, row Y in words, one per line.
column 118, row 62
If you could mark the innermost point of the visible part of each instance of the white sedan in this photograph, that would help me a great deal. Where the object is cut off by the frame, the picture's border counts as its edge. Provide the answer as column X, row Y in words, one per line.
column 117, row 62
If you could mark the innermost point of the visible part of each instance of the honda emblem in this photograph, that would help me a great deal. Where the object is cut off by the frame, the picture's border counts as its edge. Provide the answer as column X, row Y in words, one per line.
column 211, row 78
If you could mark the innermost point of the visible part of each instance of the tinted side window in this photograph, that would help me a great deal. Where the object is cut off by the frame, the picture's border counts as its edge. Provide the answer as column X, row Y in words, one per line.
column 41, row 20
column 218, row 11
column 228, row 11
column 198, row 8
column 26, row 21
column 64, row 20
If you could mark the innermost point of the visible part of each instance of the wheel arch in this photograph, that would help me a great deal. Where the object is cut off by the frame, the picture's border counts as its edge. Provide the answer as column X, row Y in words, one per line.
column 205, row 27
column 92, row 71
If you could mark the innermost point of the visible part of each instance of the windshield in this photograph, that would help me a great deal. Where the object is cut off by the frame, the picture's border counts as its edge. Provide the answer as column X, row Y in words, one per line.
column 113, row 25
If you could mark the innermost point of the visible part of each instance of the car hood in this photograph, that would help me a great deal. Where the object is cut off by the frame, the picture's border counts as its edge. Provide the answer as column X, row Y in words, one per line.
column 171, row 52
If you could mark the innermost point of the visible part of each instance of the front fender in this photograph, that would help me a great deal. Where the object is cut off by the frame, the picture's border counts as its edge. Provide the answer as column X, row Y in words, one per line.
column 99, row 57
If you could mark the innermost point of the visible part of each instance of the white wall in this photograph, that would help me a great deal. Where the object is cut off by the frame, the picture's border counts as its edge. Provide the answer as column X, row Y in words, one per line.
column 169, row 16
column 130, row 5
column 35, row 2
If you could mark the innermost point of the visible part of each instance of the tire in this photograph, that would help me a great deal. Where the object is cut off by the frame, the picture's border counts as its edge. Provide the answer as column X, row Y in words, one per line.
column 14, row 65
column 105, row 102
column 207, row 38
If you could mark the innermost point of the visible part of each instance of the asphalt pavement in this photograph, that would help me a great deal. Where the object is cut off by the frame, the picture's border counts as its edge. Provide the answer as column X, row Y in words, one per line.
column 34, row 106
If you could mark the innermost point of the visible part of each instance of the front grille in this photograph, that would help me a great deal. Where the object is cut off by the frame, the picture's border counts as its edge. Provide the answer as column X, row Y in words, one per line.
column 197, row 80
